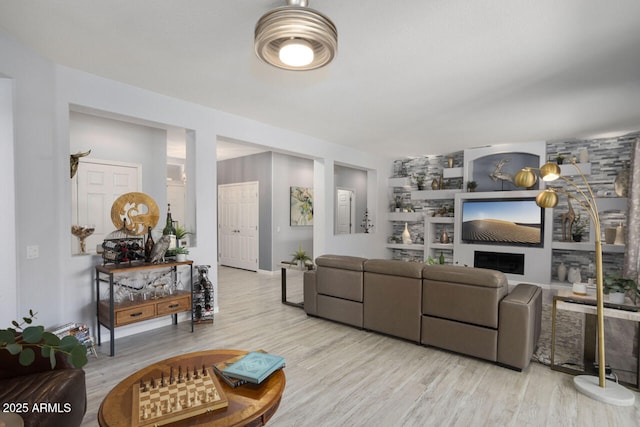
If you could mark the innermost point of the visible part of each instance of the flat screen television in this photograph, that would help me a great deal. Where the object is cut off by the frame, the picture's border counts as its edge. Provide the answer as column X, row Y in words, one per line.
column 510, row 222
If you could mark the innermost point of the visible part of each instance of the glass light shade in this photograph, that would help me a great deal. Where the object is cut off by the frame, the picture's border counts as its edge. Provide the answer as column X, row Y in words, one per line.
column 296, row 53
column 550, row 172
column 547, row 199
column 525, row 178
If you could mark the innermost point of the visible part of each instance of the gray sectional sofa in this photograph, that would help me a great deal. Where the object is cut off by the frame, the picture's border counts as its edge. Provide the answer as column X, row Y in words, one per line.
column 461, row 309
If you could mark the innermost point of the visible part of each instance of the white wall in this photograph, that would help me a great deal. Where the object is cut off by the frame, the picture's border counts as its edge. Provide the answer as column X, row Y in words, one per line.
column 60, row 287
column 8, row 302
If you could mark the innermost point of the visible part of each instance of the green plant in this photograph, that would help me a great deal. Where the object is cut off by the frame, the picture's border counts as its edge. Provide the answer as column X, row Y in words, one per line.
column 25, row 341
column 560, row 159
column 419, row 179
column 472, row 185
column 181, row 250
column 579, row 228
column 617, row 283
column 301, row 256
column 398, row 202
column 430, row 260
column 181, row 232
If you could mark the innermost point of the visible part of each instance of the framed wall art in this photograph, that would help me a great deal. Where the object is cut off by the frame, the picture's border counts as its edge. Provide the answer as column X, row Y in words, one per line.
column 301, row 206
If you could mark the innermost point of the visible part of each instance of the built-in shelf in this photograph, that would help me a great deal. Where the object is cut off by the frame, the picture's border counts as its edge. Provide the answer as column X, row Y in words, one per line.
column 406, row 216
column 412, row 247
column 434, row 194
column 587, row 247
column 447, row 246
column 403, row 181
column 452, row 173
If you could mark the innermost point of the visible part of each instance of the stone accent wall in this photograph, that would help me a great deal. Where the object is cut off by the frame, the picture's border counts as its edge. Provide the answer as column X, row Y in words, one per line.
column 608, row 157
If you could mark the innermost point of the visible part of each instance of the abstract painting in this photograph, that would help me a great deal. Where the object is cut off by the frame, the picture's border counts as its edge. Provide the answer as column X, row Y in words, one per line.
column 301, row 206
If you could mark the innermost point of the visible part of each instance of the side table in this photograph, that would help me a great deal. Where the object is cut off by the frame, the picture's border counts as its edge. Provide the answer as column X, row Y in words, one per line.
column 568, row 301
column 283, row 282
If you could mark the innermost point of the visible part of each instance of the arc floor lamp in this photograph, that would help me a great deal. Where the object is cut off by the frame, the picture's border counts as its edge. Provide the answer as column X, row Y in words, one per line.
column 598, row 388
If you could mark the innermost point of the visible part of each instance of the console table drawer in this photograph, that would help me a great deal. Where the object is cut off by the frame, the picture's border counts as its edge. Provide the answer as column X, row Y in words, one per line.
column 135, row 314
column 173, row 306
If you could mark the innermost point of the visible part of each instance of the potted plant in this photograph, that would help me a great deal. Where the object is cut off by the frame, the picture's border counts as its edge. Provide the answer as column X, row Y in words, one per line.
column 419, row 179
column 471, row 186
column 181, row 233
column 579, row 228
column 25, row 340
column 616, row 287
column 301, row 259
column 181, row 253
column 398, row 203
column 559, row 159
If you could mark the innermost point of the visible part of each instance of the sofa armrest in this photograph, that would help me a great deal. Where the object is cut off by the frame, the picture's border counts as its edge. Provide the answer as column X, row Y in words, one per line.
column 310, row 292
column 519, row 325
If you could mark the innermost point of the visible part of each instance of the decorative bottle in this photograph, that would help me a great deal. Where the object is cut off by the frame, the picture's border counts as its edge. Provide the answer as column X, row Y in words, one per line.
column 441, row 260
column 169, row 229
column 148, row 246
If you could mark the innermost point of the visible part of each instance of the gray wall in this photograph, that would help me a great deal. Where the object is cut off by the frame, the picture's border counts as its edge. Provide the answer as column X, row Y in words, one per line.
column 254, row 168
column 289, row 172
column 276, row 173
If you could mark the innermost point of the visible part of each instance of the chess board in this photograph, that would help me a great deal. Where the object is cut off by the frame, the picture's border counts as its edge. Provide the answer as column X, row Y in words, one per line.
column 176, row 399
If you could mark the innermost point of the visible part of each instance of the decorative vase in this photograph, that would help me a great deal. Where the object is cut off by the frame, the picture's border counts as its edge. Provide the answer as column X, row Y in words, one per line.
column 609, row 235
column 621, row 183
column 444, row 237
column 574, row 276
column 181, row 257
column 406, row 237
column 583, row 155
column 562, row 272
column 450, row 162
column 434, row 184
column 616, row 297
column 620, row 231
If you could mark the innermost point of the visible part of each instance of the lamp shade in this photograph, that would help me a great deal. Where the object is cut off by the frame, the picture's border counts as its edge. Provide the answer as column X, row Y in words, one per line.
column 296, row 28
column 547, row 199
column 550, row 172
column 525, row 178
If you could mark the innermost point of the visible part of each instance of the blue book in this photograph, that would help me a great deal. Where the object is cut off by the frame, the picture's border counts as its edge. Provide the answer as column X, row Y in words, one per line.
column 255, row 367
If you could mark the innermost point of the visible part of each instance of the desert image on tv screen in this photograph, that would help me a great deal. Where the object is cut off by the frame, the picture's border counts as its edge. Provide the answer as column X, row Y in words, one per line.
column 509, row 222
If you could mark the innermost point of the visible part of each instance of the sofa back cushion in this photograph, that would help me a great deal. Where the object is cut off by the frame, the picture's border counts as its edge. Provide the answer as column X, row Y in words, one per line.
column 340, row 276
column 470, row 295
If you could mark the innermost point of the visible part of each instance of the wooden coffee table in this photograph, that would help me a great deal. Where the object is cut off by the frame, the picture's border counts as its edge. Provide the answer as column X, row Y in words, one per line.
column 249, row 404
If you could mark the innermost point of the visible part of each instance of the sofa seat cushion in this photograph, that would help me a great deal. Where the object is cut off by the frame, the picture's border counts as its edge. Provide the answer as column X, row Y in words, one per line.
column 469, row 295
column 62, row 390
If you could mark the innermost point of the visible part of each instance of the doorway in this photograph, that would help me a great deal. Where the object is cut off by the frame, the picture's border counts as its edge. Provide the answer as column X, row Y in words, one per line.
column 345, row 211
column 238, row 216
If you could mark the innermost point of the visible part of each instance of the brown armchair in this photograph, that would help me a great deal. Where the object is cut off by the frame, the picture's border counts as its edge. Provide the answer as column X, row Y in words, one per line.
column 40, row 395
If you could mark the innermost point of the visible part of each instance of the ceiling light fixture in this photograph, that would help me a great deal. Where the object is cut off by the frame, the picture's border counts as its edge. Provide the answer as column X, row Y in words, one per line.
column 295, row 37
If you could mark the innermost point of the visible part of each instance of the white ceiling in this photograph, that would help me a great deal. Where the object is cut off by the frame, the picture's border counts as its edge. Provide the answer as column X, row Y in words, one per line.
column 411, row 77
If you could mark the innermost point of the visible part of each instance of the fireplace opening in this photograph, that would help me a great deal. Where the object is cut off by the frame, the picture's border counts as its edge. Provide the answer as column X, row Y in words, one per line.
column 505, row 262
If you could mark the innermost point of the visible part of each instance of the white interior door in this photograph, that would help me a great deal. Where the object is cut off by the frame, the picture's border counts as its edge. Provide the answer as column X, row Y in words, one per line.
column 345, row 211
column 238, row 232
column 98, row 185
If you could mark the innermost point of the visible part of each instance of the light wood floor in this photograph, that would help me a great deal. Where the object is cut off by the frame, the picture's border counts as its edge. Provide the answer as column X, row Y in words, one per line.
column 341, row 376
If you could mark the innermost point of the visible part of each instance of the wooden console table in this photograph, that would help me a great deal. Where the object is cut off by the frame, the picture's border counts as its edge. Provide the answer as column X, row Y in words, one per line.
column 112, row 314
column 249, row 404
column 567, row 300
